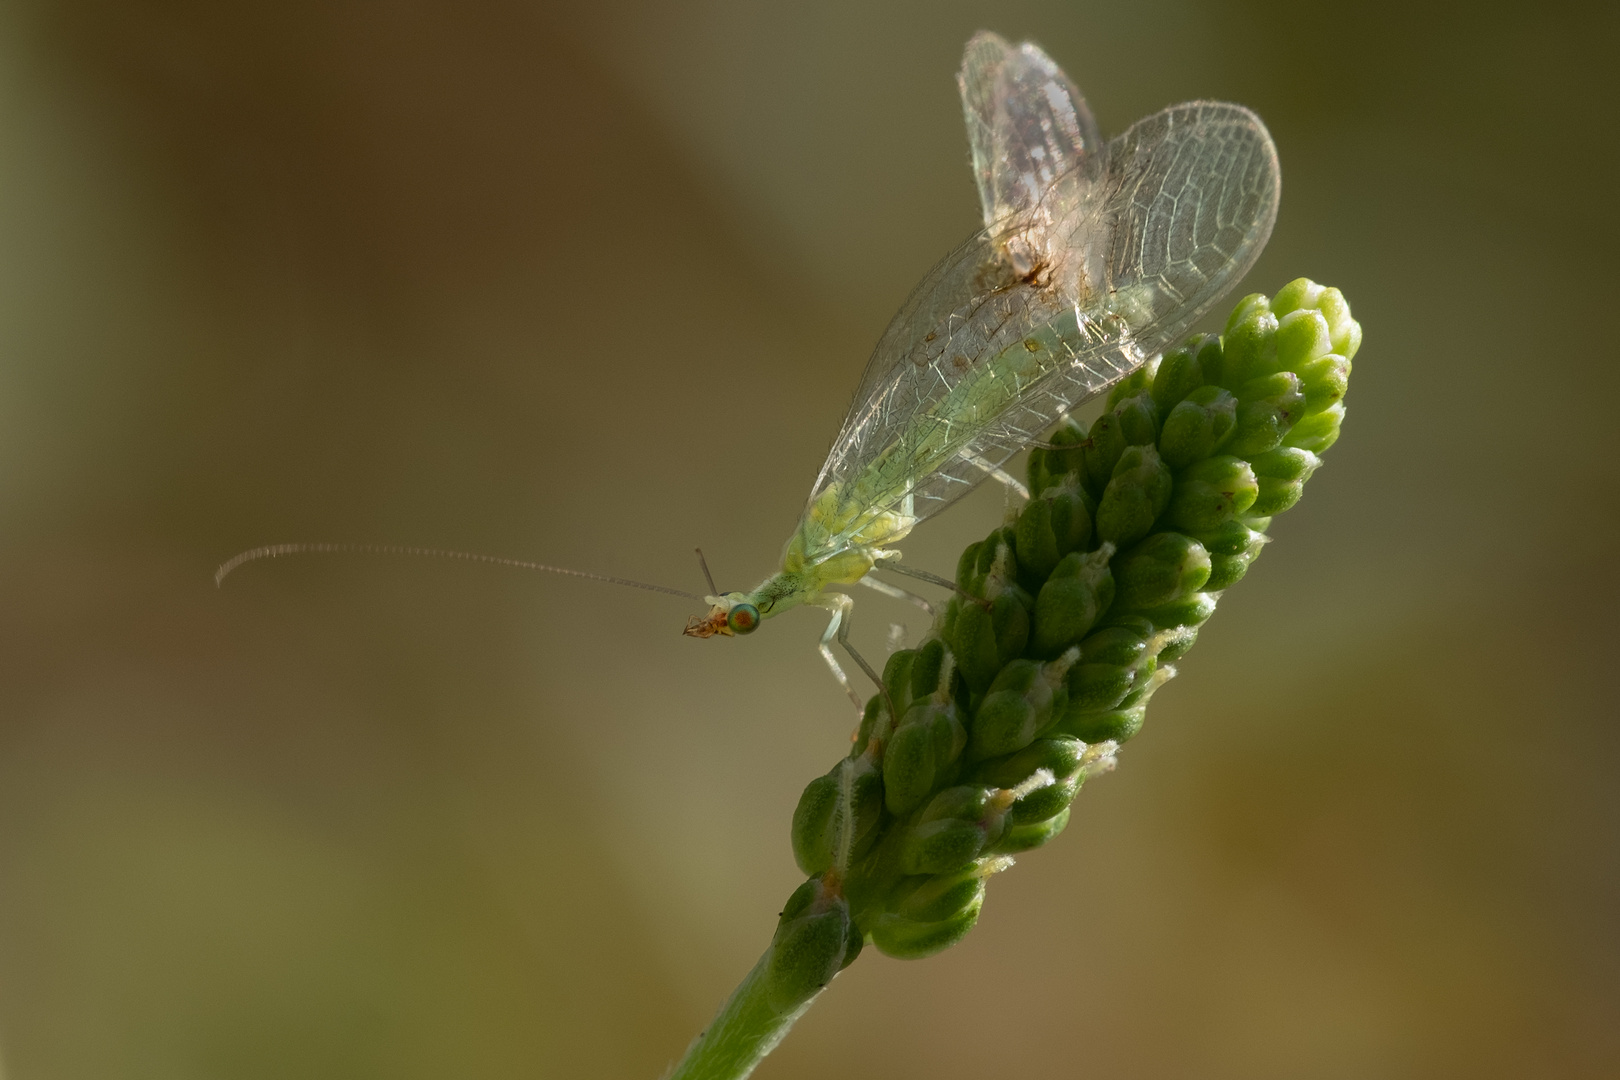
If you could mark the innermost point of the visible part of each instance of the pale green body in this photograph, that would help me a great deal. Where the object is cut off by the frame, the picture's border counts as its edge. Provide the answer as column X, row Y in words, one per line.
column 847, row 528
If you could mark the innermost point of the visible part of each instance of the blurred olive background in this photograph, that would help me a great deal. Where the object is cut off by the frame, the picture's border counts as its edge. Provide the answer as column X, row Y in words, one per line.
column 591, row 283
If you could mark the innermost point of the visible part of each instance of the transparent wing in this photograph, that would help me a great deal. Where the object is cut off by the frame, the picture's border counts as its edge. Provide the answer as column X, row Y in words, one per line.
column 1027, row 123
column 982, row 358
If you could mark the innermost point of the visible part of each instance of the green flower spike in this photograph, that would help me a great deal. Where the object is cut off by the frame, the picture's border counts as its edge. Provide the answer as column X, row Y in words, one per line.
column 1068, row 621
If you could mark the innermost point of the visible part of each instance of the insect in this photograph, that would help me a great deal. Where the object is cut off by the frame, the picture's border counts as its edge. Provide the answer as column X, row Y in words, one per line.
column 1093, row 257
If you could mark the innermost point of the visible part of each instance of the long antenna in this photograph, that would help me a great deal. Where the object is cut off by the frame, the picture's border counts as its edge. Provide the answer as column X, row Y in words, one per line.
column 714, row 590
column 272, row 551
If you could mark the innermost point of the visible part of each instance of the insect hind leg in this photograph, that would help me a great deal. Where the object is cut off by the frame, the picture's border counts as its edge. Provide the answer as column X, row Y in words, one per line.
column 898, row 593
column 1013, row 485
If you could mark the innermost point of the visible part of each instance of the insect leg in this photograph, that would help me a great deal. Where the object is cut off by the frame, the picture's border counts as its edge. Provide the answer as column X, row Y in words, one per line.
column 840, row 604
column 831, row 602
column 898, row 593
column 922, row 575
column 934, row 579
column 1007, row 479
column 871, row 672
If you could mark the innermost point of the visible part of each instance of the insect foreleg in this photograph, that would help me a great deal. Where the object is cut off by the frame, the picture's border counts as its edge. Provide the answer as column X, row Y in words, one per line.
column 824, row 646
column 840, row 605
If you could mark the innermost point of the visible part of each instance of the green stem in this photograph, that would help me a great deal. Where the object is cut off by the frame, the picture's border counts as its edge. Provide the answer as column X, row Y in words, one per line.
column 746, row 1029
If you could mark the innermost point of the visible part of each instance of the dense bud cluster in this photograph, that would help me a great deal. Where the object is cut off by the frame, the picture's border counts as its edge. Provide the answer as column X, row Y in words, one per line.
column 1066, row 622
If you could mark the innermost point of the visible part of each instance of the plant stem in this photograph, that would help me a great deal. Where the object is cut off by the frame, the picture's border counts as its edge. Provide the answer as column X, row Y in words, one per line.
column 743, row 1032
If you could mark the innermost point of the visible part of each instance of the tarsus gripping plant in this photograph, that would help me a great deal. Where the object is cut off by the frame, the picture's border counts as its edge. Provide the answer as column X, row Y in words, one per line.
column 1068, row 620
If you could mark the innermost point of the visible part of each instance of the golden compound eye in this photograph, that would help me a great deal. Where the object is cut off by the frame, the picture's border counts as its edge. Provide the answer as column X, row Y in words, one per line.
column 743, row 618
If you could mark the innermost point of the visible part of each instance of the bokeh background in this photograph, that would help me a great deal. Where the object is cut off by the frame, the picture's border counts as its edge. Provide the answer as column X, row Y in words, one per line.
column 591, row 283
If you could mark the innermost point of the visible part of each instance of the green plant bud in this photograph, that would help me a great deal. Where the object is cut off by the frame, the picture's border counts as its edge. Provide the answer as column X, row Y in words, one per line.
column 1183, row 370
column 876, row 713
column 1117, row 725
column 974, row 565
column 1278, row 495
column 1165, row 568
column 955, row 826
column 1177, row 645
column 1282, row 474
column 940, row 896
column 1255, row 304
column 1132, row 384
column 1052, row 467
column 1197, row 426
column 1278, row 385
column 946, row 626
column 1098, row 687
column 1249, row 346
column 819, row 819
column 1020, row 838
column 965, row 802
column 1049, row 773
column 927, row 914
column 1194, row 611
column 1138, row 419
column 1345, row 331
column 1104, row 446
column 1043, row 802
column 812, row 944
column 1211, row 493
column 1230, row 538
column 909, row 939
column 929, row 673
column 1225, row 569
column 1019, row 703
column 1324, row 381
column 1228, row 473
column 1299, row 293
column 987, row 563
column 1053, row 524
column 986, row 639
column 1146, row 688
column 922, row 754
column 967, row 567
column 1124, row 642
column 939, row 847
column 897, row 681
column 1135, row 497
column 1267, row 409
column 1302, row 336
column 1318, row 431
column 1074, row 597
column 983, row 637
column 1061, row 756
column 1285, row 463
column 814, row 830
column 897, row 673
